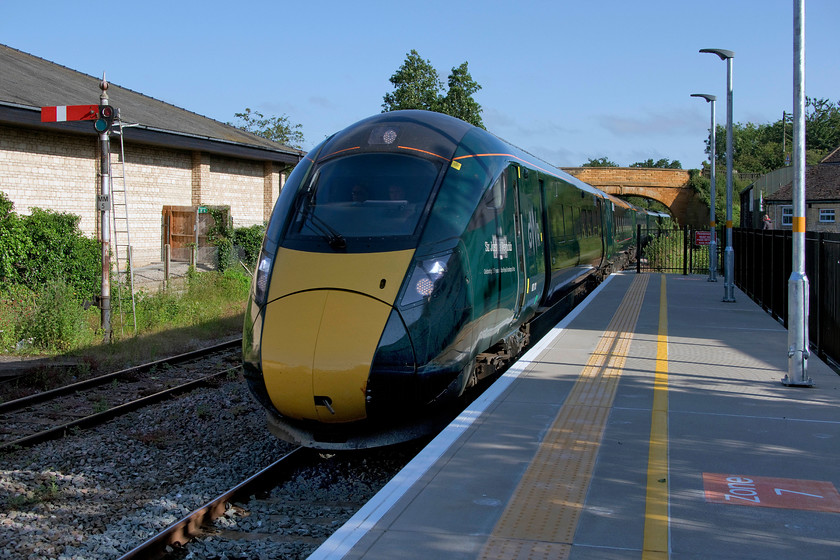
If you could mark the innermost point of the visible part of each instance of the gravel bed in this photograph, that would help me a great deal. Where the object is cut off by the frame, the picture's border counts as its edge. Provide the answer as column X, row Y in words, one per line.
column 98, row 494
column 299, row 515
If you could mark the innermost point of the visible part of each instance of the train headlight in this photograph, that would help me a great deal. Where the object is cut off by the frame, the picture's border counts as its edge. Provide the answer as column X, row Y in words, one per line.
column 425, row 279
column 261, row 278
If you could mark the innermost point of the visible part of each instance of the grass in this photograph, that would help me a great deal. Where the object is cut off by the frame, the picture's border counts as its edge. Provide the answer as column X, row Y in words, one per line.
column 53, row 323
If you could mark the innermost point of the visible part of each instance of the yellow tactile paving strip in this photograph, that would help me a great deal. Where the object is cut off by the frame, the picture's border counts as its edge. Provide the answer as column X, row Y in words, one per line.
column 541, row 518
column 656, row 499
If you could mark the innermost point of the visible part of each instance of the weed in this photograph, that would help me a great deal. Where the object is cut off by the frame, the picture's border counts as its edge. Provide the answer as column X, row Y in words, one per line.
column 45, row 492
column 101, row 406
column 202, row 411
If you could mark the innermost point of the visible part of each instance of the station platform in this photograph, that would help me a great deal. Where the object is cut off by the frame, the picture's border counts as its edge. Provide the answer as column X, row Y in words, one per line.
column 650, row 423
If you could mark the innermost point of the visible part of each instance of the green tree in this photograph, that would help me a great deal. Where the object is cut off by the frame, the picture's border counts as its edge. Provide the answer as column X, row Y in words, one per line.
column 702, row 186
column 600, row 162
column 760, row 148
column 663, row 163
column 417, row 85
column 459, row 100
column 277, row 129
column 822, row 125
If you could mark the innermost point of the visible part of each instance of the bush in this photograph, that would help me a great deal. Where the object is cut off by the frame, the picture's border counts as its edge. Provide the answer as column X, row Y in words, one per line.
column 17, row 304
column 57, row 322
column 51, row 318
column 249, row 239
column 234, row 244
column 46, row 246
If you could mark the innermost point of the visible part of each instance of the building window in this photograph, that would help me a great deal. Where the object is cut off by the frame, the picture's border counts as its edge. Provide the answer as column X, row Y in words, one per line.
column 827, row 215
column 787, row 215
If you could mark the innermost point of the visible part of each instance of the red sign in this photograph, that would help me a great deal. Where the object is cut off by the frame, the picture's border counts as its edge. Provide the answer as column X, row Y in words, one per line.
column 760, row 491
column 63, row 113
column 702, row 237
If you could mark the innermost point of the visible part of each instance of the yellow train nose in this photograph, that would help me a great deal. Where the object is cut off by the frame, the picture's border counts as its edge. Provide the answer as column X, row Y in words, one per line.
column 317, row 350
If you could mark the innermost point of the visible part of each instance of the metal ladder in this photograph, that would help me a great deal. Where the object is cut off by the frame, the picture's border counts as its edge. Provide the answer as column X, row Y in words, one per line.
column 121, row 238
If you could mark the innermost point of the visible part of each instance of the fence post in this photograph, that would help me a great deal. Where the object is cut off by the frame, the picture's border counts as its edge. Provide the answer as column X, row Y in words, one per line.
column 685, row 249
column 638, row 248
column 167, row 258
column 817, row 289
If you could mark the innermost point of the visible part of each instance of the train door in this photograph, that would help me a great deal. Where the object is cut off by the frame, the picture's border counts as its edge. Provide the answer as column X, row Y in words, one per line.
column 521, row 261
column 533, row 261
column 507, row 245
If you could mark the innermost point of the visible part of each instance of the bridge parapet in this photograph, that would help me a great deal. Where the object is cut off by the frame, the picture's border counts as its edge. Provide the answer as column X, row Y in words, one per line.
column 668, row 186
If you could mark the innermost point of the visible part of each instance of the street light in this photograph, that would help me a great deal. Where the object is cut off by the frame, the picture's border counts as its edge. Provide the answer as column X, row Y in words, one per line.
column 798, row 285
column 712, row 226
column 729, row 255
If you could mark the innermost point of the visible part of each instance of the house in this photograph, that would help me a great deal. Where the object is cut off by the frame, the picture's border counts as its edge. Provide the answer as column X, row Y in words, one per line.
column 174, row 160
column 822, row 198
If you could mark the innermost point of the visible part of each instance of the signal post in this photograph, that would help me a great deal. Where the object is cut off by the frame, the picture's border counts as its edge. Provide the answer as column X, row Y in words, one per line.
column 103, row 126
column 102, row 116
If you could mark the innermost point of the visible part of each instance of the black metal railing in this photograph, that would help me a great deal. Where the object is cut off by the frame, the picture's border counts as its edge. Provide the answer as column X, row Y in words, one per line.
column 763, row 265
column 680, row 251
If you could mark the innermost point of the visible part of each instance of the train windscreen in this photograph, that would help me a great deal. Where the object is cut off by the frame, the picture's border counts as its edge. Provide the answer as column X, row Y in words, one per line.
column 364, row 196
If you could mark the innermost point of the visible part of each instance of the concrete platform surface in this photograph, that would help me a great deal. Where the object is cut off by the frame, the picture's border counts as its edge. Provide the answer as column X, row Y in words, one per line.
column 650, row 423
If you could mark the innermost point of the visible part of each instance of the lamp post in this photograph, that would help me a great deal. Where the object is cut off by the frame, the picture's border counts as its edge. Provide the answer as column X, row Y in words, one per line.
column 712, row 226
column 729, row 255
column 798, row 286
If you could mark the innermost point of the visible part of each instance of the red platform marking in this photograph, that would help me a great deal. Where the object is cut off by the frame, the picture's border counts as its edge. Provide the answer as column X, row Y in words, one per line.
column 787, row 493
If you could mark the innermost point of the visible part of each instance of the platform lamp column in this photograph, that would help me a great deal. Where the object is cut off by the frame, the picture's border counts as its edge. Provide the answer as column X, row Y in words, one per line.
column 728, row 255
column 102, row 124
column 798, row 283
column 712, row 226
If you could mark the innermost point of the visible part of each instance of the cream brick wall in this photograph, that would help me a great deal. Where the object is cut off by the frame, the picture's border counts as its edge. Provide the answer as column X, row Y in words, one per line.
column 50, row 171
column 60, row 172
column 238, row 184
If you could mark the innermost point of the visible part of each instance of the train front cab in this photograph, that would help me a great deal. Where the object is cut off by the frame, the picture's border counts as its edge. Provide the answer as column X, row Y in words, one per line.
column 353, row 321
column 341, row 238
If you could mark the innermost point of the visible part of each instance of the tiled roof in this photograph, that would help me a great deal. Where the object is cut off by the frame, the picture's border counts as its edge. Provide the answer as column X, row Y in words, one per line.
column 822, row 182
column 30, row 82
column 833, row 157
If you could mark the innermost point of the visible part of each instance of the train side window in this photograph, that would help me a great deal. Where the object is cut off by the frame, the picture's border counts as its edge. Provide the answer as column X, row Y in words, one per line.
column 497, row 192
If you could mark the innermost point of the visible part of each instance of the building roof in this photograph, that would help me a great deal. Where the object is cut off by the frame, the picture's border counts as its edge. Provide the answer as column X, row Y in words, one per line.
column 833, row 157
column 29, row 83
column 822, row 182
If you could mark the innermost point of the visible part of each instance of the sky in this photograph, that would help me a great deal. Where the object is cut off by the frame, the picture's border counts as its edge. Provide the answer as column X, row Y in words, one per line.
column 567, row 81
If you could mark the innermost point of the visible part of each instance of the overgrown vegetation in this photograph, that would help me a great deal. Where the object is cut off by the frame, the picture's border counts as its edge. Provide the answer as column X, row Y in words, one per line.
column 665, row 253
column 45, row 246
column 235, row 245
column 50, row 272
column 702, row 186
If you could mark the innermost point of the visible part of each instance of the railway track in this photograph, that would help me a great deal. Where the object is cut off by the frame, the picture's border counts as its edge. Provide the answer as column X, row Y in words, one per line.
column 52, row 414
column 284, row 511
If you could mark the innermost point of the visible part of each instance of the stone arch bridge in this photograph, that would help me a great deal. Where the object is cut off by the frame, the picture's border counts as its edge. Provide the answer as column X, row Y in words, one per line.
column 668, row 186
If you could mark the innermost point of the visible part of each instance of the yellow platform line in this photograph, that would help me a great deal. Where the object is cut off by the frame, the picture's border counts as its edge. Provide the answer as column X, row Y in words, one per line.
column 542, row 516
column 656, row 501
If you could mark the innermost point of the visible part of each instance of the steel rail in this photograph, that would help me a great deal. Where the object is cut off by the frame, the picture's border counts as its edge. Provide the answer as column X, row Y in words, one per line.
column 180, row 532
column 36, row 398
column 111, row 413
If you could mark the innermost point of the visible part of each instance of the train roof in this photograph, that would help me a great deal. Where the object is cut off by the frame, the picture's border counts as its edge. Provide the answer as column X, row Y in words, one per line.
column 440, row 135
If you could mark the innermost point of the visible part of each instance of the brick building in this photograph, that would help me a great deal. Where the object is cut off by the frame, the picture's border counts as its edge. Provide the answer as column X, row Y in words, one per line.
column 822, row 198
column 173, row 158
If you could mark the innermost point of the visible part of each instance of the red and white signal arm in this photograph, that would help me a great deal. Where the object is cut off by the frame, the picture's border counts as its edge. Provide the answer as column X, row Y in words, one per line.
column 62, row 113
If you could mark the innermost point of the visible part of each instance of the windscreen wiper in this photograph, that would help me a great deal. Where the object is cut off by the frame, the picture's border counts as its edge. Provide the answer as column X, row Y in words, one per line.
column 334, row 239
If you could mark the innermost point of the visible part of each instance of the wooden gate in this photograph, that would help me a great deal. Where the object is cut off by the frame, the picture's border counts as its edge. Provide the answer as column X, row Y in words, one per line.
column 185, row 227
